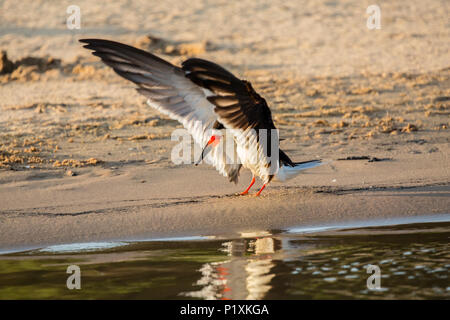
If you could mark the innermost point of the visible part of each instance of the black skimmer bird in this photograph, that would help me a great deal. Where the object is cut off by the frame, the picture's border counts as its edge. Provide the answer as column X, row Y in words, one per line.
column 207, row 100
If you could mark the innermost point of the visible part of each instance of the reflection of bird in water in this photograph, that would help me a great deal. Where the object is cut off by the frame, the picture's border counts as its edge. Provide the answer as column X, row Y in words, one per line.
column 258, row 270
column 240, row 277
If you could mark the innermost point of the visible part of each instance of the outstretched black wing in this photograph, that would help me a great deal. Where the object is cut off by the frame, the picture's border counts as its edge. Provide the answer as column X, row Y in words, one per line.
column 236, row 102
column 169, row 91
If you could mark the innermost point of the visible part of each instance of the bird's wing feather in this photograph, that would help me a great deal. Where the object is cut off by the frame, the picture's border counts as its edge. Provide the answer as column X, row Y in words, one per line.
column 169, row 91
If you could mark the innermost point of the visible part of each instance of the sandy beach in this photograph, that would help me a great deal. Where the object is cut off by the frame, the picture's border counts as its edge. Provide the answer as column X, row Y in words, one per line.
column 83, row 158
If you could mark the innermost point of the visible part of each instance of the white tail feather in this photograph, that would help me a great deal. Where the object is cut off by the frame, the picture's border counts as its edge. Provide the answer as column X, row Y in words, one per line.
column 286, row 172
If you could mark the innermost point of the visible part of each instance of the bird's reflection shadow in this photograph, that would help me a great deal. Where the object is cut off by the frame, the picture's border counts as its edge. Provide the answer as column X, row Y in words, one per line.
column 246, row 274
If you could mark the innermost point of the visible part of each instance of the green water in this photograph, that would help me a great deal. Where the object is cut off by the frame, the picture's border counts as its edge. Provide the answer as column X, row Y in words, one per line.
column 414, row 260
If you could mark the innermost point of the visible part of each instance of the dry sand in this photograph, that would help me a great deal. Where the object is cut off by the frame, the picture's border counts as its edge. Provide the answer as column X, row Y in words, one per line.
column 83, row 158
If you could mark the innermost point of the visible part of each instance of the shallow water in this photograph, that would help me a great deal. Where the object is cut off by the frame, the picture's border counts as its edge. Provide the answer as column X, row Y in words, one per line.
column 328, row 262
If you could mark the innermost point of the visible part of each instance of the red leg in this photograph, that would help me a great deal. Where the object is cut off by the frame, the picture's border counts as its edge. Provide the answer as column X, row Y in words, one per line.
column 246, row 190
column 262, row 188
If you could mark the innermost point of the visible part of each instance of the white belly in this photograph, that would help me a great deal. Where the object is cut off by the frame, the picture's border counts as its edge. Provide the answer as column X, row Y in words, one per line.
column 254, row 159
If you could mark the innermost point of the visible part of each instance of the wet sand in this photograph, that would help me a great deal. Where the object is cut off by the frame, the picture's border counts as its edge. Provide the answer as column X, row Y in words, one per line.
column 83, row 158
column 105, row 204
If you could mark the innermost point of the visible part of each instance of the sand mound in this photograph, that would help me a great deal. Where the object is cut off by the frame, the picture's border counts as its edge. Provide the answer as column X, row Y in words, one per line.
column 28, row 68
column 172, row 48
column 6, row 66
